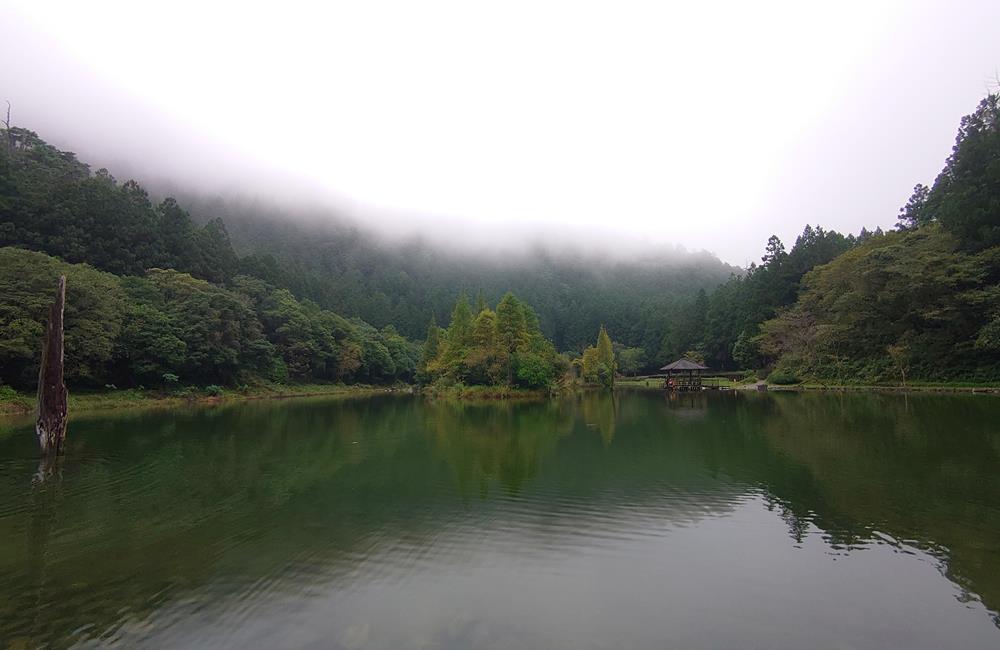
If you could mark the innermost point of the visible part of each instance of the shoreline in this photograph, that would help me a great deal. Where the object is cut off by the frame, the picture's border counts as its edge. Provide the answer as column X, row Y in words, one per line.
column 984, row 389
column 931, row 388
column 21, row 404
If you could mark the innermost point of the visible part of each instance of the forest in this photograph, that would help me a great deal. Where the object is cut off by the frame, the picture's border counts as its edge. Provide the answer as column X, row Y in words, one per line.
column 193, row 290
column 922, row 302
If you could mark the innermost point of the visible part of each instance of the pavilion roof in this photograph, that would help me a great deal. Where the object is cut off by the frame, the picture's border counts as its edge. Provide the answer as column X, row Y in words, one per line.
column 684, row 364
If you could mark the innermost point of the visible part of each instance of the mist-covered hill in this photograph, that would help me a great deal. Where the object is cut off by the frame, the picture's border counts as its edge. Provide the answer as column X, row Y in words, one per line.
column 406, row 283
column 55, row 204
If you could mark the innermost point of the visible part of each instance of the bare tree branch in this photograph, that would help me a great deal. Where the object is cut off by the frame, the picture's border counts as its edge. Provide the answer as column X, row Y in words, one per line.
column 10, row 136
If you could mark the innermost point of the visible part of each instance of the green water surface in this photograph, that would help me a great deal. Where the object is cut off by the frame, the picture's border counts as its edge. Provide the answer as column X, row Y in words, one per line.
column 630, row 521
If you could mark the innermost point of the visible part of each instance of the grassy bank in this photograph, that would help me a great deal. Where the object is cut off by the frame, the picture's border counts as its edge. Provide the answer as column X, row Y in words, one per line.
column 12, row 402
column 462, row 392
column 922, row 387
column 745, row 384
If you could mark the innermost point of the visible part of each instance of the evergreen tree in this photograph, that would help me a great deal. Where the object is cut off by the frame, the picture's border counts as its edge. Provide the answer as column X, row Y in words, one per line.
column 485, row 358
column 460, row 328
column 511, row 331
column 774, row 252
column 912, row 215
column 429, row 351
column 966, row 194
column 605, row 358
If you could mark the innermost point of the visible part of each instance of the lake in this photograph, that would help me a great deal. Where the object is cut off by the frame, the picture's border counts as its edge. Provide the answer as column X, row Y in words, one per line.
column 635, row 521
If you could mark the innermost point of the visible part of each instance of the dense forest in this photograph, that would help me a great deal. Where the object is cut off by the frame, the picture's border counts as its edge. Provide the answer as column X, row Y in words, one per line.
column 919, row 303
column 234, row 292
column 165, row 328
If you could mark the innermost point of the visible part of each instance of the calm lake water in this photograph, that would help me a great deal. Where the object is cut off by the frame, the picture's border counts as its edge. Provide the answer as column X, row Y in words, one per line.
column 706, row 521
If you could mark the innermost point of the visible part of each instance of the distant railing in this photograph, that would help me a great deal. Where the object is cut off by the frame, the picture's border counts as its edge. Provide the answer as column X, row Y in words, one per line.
column 715, row 380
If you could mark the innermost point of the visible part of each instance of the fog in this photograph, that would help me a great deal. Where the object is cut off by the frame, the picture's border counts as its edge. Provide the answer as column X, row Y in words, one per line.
column 625, row 126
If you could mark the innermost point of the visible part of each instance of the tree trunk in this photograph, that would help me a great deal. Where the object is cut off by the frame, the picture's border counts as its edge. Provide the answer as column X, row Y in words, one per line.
column 51, row 423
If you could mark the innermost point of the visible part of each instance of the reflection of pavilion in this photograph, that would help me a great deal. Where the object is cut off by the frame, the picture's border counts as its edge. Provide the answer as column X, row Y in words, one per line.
column 687, row 404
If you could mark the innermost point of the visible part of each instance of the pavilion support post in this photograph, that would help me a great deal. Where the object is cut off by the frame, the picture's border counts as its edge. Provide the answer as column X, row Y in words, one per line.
column 51, row 423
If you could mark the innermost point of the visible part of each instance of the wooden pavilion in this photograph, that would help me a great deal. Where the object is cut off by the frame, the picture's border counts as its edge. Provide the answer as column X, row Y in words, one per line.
column 683, row 375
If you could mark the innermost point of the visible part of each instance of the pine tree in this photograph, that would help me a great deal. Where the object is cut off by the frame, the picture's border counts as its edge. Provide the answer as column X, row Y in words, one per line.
column 774, row 252
column 429, row 352
column 511, row 331
column 452, row 358
column 605, row 358
column 482, row 359
column 460, row 328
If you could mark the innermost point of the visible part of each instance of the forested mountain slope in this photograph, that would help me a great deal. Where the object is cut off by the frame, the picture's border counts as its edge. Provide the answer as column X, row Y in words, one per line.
column 51, row 202
column 636, row 296
column 919, row 303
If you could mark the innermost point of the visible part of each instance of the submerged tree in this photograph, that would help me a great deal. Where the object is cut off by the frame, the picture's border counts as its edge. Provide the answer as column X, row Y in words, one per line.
column 51, row 423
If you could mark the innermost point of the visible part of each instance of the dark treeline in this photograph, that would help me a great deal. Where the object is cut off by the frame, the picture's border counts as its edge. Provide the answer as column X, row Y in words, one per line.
column 729, row 320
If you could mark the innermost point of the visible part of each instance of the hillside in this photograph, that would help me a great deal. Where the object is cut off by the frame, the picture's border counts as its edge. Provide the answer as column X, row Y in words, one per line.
column 920, row 303
column 52, row 202
column 348, row 268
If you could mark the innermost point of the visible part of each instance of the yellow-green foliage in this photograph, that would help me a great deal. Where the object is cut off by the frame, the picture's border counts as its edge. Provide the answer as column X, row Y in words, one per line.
column 502, row 347
column 599, row 361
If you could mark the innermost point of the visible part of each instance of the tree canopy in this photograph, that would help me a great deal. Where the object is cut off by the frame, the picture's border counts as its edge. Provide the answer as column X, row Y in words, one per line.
column 135, row 330
column 491, row 348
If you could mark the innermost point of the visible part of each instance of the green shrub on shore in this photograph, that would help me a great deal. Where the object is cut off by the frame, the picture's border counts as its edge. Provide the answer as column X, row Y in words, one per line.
column 13, row 402
column 781, row 378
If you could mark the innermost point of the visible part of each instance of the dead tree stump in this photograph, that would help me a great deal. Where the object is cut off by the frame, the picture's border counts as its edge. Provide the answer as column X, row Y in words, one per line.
column 51, row 423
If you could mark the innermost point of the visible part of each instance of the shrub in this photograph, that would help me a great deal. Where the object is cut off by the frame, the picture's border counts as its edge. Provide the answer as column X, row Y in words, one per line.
column 532, row 371
column 213, row 390
column 782, row 378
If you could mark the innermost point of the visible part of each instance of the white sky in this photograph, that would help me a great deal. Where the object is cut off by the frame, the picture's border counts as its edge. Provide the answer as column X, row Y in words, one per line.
column 711, row 125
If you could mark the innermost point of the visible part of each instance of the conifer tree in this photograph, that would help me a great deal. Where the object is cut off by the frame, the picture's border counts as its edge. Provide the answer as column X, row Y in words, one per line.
column 605, row 358
column 451, row 359
column 483, row 356
column 589, row 362
column 511, row 331
column 460, row 328
column 430, row 350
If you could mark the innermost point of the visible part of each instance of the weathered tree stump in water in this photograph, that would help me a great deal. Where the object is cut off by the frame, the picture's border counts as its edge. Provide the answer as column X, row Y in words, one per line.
column 51, row 423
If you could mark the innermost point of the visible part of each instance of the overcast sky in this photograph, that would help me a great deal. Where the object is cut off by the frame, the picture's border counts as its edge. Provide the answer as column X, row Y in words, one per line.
column 706, row 124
